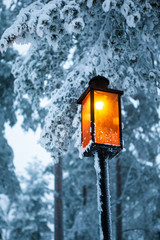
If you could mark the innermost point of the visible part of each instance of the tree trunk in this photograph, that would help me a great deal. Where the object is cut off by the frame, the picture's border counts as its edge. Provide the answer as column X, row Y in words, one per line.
column 58, row 204
column 119, row 204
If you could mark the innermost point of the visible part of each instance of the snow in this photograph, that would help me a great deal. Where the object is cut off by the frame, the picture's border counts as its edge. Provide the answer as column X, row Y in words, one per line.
column 97, row 168
column 131, row 19
column 89, row 3
column 7, row 3
column 82, row 150
column 44, row 102
column 109, row 43
column 69, row 61
column 22, row 48
column 130, row 12
column 4, row 202
column 134, row 102
column 158, row 159
column 106, row 5
column 76, row 26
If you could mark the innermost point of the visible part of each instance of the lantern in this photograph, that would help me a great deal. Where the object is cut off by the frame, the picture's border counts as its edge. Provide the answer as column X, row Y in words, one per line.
column 101, row 118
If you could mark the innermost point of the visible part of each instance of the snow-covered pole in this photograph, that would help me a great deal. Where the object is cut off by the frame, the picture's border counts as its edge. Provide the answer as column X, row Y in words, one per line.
column 102, row 134
column 104, row 197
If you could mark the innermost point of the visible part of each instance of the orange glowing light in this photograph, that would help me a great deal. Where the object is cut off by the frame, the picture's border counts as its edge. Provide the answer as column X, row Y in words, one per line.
column 86, row 121
column 107, row 120
column 99, row 105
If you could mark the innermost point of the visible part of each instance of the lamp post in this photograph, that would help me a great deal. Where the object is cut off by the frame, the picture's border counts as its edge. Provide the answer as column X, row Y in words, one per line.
column 102, row 133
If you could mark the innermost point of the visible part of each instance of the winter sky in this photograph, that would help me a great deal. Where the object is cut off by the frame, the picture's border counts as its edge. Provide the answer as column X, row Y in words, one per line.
column 25, row 146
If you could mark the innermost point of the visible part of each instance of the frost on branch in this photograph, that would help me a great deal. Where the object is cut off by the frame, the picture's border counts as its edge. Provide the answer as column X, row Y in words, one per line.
column 35, row 77
column 24, row 23
column 125, row 35
column 89, row 3
column 69, row 12
column 131, row 13
column 63, row 110
column 106, row 5
column 51, row 21
column 115, row 40
column 76, row 26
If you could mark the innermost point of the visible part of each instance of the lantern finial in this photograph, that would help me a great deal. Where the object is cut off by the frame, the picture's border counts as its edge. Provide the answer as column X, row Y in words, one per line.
column 99, row 82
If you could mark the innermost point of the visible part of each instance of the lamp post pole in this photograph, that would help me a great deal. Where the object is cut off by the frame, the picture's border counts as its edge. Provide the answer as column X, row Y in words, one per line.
column 58, row 203
column 105, row 214
column 102, row 133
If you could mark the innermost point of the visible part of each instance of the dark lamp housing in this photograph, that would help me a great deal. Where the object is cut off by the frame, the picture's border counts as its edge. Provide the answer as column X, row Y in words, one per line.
column 101, row 118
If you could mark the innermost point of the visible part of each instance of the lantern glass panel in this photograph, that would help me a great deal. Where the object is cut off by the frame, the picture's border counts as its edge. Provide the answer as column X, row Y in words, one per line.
column 106, row 118
column 86, row 121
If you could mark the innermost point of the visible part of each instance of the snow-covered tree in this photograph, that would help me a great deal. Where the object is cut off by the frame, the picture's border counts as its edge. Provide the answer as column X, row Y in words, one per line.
column 8, row 181
column 116, row 39
column 31, row 215
column 80, row 198
column 138, row 169
column 9, row 184
column 142, row 165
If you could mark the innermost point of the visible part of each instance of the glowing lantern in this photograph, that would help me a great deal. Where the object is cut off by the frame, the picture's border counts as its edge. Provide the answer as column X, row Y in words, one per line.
column 101, row 118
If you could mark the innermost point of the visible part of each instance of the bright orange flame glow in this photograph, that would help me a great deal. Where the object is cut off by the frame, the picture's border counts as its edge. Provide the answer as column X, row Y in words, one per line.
column 86, row 121
column 99, row 105
column 106, row 118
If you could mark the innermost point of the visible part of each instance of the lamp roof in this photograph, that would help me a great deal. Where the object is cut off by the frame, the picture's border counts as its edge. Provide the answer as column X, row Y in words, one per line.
column 98, row 83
